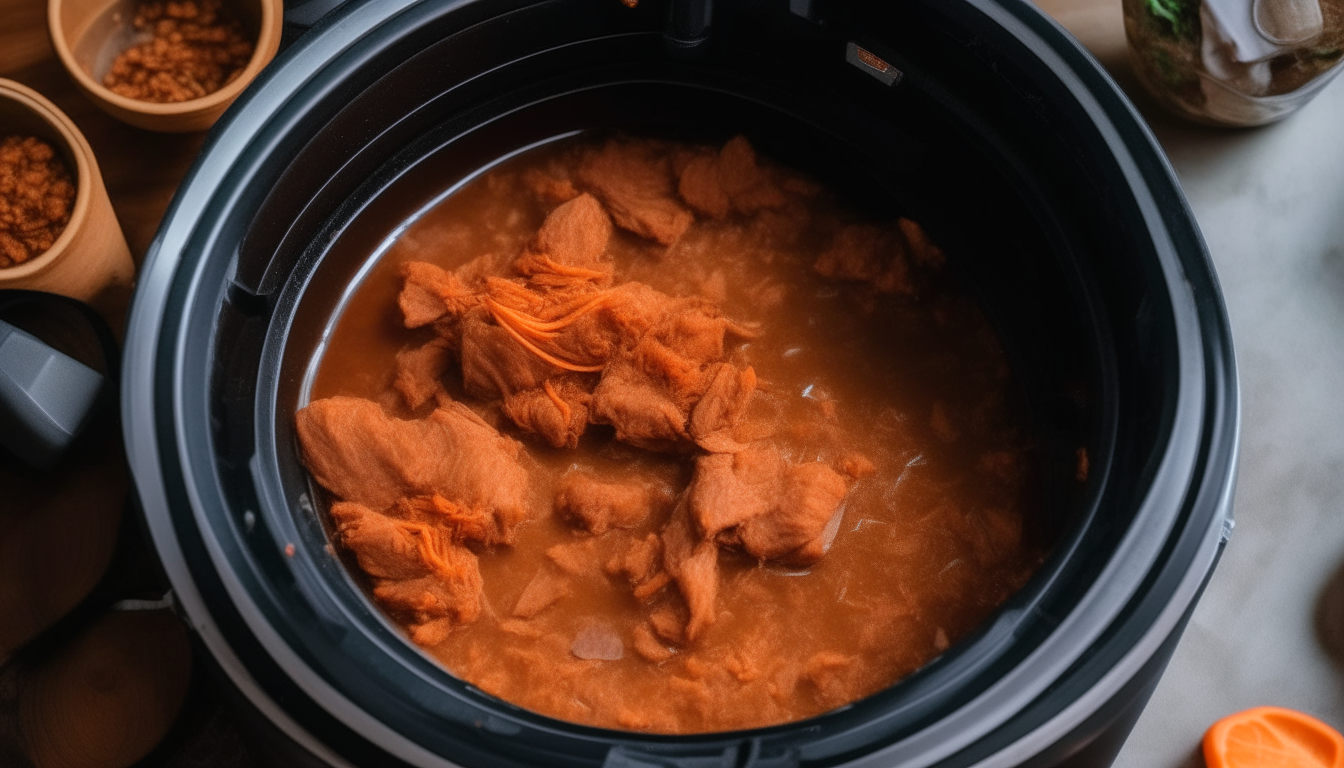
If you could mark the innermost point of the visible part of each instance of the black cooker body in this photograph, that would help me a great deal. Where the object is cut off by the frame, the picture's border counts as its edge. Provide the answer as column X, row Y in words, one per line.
column 979, row 118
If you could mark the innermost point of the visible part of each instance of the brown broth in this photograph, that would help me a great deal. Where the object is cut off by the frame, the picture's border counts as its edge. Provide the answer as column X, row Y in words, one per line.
column 929, row 545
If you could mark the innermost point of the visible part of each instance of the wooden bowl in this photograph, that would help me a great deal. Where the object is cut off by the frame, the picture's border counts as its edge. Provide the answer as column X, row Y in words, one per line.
column 89, row 260
column 89, row 34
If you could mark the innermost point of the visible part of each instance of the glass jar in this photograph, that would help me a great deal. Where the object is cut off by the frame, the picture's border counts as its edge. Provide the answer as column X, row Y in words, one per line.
column 1235, row 62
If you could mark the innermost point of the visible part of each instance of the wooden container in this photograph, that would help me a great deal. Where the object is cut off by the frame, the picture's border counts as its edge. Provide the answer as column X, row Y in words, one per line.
column 90, row 260
column 89, row 34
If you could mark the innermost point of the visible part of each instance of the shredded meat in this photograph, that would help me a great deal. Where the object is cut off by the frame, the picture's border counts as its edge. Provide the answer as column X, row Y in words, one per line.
column 722, row 408
column 634, row 181
column 361, row 454
column 462, row 523
column 419, row 572
column 693, row 563
column 420, row 371
column 544, row 590
column 561, row 354
column 731, row 180
column 644, row 562
column 569, row 245
column 869, row 254
column 429, row 293
column 557, row 412
column 773, row 511
column 551, row 185
column 598, row 506
column 700, row 187
column 494, row 364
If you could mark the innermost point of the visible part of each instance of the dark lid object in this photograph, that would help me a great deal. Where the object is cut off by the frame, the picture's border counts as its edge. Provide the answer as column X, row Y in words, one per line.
column 46, row 397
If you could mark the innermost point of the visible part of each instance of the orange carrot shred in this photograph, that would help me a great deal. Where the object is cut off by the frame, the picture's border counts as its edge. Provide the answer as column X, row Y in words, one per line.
column 570, row 271
column 555, row 398
column 534, row 349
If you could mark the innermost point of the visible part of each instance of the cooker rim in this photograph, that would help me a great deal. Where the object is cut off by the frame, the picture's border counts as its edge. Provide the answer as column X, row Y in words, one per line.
column 197, row 195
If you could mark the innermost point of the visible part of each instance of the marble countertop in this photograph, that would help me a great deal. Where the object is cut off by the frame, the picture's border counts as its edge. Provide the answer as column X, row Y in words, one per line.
column 1270, row 202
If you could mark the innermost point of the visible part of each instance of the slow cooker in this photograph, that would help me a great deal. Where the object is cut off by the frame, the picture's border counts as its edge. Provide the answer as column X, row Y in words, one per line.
column 979, row 118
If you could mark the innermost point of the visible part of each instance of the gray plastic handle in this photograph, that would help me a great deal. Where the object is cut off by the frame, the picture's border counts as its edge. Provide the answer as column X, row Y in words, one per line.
column 46, row 397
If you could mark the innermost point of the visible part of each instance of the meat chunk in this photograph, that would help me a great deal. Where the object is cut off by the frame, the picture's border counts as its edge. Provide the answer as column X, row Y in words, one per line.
column 795, row 529
column 462, row 523
column 419, row 572
column 699, row 186
column 640, row 410
column 361, row 454
column 430, row 633
column 722, row 408
column 647, row 393
column 868, row 254
column 535, row 346
column 649, row 646
column 749, row 186
column 773, row 511
column 668, row 622
column 544, row 590
column 638, row 562
column 387, row 548
column 455, row 596
column 570, row 244
column 731, row 488
column 598, row 506
column 678, row 350
column 494, row 364
column 693, row 563
column 557, row 413
column 420, row 372
column 524, row 335
column 731, row 180
column 429, row 293
column 576, row 559
column 551, row 185
column 634, row 181
column 922, row 250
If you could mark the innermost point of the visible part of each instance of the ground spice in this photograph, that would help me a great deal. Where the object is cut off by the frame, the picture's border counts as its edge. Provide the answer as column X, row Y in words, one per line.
column 36, row 197
column 195, row 50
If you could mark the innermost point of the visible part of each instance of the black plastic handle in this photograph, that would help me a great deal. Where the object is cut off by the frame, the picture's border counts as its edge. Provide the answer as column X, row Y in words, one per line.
column 48, row 398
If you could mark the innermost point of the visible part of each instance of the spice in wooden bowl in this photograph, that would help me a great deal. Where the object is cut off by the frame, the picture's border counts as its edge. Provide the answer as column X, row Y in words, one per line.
column 36, row 198
column 196, row 49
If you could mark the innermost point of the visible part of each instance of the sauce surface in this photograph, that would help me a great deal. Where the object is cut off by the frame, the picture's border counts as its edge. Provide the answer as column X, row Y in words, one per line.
column 873, row 379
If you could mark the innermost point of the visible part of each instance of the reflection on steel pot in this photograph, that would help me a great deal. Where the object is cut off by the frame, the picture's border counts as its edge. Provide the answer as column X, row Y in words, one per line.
column 977, row 117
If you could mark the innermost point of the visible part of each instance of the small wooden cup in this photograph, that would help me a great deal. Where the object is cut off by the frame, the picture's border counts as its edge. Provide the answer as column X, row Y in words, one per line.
column 89, row 260
column 89, row 34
